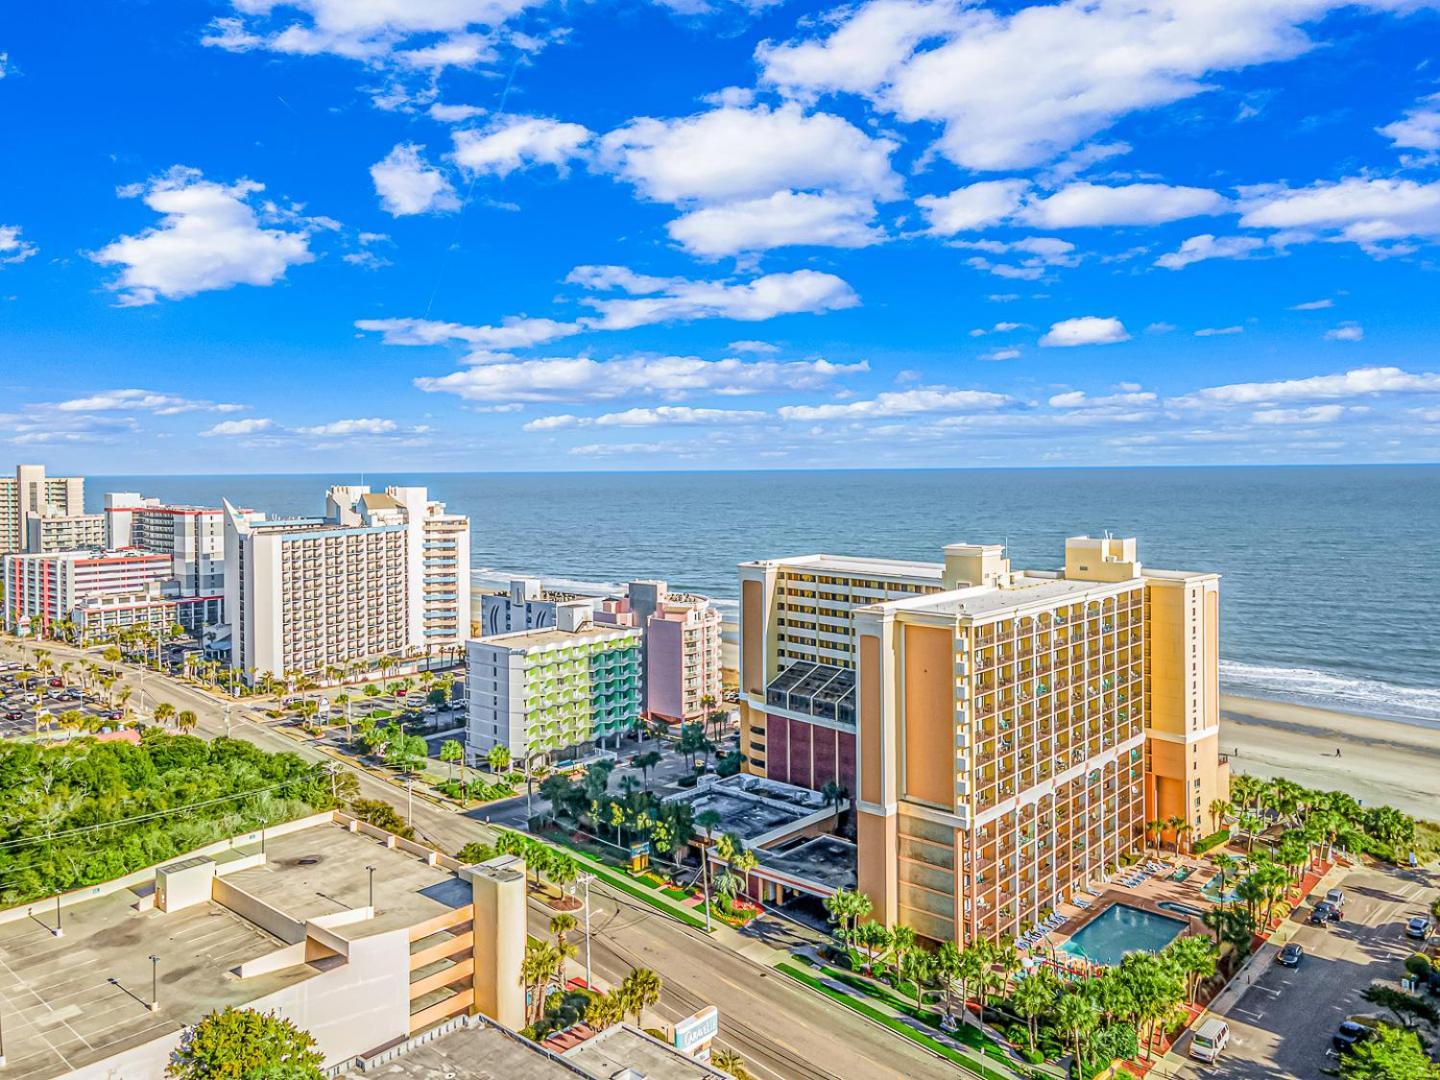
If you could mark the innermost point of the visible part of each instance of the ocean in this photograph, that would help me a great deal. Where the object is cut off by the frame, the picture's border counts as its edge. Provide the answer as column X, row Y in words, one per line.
column 1331, row 575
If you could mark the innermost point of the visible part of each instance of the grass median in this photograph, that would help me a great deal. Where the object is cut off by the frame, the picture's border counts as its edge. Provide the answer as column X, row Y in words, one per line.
column 969, row 1064
column 618, row 880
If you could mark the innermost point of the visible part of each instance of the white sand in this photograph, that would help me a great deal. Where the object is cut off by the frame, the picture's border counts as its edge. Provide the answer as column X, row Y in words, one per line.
column 1381, row 761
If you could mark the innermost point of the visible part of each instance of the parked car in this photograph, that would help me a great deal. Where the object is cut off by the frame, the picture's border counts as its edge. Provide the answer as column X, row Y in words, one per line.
column 57, row 682
column 1291, row 955
column 1336, row 899
column 1349, row 1033
column 1324, row 914
column 1210, row 1040
column 1418, row 928
column 14, row 716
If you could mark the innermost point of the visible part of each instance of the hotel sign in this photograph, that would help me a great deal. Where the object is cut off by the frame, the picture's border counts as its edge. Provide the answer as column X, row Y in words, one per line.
column 694, row 1034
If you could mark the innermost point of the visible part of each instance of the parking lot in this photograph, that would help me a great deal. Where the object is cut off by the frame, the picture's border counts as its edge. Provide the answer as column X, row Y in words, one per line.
column 1281, row 1026
column 19, row 705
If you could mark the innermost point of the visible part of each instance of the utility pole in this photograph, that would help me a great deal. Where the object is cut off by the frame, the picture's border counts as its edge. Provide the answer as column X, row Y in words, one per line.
column 410, row 801
column 371, row 869
column 154, row 983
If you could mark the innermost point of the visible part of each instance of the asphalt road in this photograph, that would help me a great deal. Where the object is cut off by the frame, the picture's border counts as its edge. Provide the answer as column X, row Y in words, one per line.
column 1282, row 1025
column 782, row 1030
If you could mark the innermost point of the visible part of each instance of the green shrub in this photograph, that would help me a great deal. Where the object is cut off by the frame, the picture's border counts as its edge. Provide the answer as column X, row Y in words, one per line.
column 1418, row 965
column 1209, row 843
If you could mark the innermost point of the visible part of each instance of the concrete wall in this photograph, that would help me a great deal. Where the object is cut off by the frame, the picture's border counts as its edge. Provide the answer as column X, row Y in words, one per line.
column 928, row 718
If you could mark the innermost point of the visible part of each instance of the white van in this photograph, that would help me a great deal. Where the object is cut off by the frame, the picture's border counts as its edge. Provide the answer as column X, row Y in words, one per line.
column 1210, row 1039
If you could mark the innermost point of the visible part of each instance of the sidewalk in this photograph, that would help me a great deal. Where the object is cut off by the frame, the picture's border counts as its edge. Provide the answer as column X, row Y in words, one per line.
column 877, row 1010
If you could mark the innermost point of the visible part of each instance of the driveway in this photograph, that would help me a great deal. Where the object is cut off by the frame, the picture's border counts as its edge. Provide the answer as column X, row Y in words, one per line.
column 1282, row 1025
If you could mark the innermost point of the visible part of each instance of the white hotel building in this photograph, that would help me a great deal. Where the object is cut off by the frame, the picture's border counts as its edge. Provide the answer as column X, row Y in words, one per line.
column 382, row 574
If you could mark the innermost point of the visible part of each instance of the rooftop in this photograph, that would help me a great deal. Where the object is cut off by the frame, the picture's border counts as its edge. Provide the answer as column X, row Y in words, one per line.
column 859, row 566
column 754, row 808
column 521, row 640
column 618, row 1048
column 321, row 871
column 477, row 1052
column 826, row 861
column 1028, row 588
column 71, row 1001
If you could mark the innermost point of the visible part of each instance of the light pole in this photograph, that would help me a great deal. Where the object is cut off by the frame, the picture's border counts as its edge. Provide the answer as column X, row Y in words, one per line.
column 410, row 801
column 372, row 890
column 585, row 880
column 59, row 930
column 154, row 983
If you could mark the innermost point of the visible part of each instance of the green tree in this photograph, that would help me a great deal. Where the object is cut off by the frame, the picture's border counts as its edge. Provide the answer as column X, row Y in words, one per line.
column 1390, row 1054
column 236, row 1044
column 646, row 762
column 1196, row 956
column 1407, row 1009
column 639, row 991
column 475, row 852
column 728, row 1061
column 1074, row 1019
column 498, row 758
column 1034, row 997
column 382, row 815
column 164, row 712
column 186, row 720
column 846, row 908
column 1156, row 988
column 560, row 925
column 451, row 751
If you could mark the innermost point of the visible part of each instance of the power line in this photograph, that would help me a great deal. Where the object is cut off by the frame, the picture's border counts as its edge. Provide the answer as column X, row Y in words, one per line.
column 26, row 841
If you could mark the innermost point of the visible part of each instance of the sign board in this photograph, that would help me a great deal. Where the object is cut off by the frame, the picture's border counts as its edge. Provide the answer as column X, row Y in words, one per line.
column 639, row 851
column 694, row 1034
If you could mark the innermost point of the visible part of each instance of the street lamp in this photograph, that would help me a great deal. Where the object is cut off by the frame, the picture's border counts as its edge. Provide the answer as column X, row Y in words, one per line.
column 372, row 890
column 410, row 801
column 59, row 930
column 585, row 880
column 154, row 983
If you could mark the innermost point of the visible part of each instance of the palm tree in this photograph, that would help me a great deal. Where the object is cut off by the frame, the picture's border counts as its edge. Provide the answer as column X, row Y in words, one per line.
column 450, row 752
column 1153, row 830
column 1252, row 824
column 498, row 758
column 846, row 908
column 1219, row 808
column 1075, row 1017
column 1174, row 824
column 639, row 991
column 560, row 925
column 604, row 1011
column 646, row 762
column 537, row 968
column 728, row 1061
column 186, row 720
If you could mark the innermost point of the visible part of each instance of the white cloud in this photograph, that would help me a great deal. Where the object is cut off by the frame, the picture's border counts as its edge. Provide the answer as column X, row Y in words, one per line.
column 408, row 184
column 977, row 206
column 660, row 416
column 1369, row 212
column 1041, row 253
column 655, row 300
column 519, row 142
column 12, row 248
column 1313, row 305
column 4, row 64
column 415, row 33
column 210, row 236
column 586, row 379
column 370, row 425
column 141, row 401
column 251, row 426
column 783, row 219
column 1219, row 331
column 1086, row 330
column 621, row 449
column 1347, row 331
column 752, row 347
column 454, row 114
column 1208, row 246
column 1016, row 89
column 1079, row 399
column 1358, row 382
column 1083, row 205
column 1000, row 354
column 1314, row 414
column 735, row 153
column 998, row 328
column 514, row 332
column 1419, row 129
column 935, row 399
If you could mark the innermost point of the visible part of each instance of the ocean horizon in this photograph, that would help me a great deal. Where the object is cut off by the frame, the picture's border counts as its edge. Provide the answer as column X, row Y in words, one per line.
column 1329, row 573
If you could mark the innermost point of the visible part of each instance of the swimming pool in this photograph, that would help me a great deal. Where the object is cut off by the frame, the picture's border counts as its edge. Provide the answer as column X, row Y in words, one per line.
column 1120, row 929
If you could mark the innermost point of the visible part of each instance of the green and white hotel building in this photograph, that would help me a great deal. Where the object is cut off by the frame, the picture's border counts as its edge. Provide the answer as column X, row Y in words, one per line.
column 552, row 693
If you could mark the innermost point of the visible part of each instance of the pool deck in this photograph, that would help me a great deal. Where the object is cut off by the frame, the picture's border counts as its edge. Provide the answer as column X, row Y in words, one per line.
column 1146, row 896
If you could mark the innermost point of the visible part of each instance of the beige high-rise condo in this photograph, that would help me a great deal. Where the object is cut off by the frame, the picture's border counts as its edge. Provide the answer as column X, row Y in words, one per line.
column 31, row 494
column 1005, row 734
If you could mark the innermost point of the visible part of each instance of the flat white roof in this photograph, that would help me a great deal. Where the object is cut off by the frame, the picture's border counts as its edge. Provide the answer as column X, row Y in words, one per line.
column 981, row 600
column 859, row 565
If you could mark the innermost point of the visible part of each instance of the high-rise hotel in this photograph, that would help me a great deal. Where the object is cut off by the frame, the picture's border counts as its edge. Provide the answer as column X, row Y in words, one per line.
column 1005, row 734
column 381, row 574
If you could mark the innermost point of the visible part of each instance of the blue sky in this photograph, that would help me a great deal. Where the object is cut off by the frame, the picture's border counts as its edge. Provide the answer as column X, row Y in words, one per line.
column 249, row 236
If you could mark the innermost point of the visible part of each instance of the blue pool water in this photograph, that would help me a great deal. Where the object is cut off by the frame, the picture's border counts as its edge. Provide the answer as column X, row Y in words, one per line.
column 1120, row 929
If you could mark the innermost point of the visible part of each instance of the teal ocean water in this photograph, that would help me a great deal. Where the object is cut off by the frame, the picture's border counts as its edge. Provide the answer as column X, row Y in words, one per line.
column 1331, row 591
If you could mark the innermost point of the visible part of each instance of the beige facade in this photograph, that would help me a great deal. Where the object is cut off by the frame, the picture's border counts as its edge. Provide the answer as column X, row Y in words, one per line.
column 1002, row 720
column 51, row 532
column 31, row 492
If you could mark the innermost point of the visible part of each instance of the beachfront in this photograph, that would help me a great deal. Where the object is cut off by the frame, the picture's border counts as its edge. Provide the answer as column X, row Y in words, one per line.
column 1380, row 761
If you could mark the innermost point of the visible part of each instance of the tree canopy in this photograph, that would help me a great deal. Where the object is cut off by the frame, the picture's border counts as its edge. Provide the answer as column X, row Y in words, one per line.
column 243, row 1044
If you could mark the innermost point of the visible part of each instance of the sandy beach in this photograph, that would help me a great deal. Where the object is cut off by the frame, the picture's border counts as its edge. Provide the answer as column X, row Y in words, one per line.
column 1381, row 761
